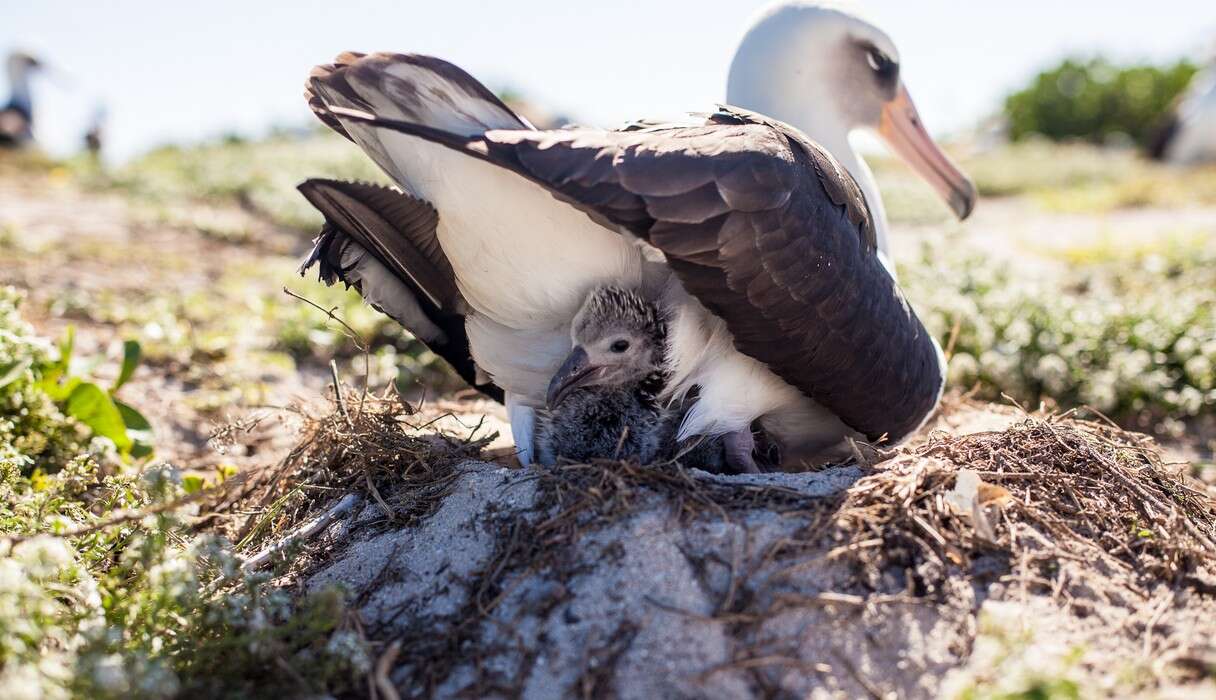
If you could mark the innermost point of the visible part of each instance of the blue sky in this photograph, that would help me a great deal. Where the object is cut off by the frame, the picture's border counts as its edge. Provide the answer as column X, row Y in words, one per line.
column 185, row 71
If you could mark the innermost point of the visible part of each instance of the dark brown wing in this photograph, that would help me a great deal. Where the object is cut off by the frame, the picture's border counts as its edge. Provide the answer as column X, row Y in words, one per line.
column 766, row 230
column 399, row 232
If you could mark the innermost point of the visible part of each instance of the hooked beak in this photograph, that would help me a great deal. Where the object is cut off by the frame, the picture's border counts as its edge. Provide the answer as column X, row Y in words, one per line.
column 576, row 371
column 902, row 129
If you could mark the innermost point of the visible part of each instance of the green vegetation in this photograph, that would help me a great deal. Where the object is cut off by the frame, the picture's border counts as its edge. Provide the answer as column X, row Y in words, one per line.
column 105, row 590
column 256, row 175
column 1016, row 659
column 1096, row 101
column 1079, row 178
column 244, row 321
column 49, row 409
column 33, row 428
column 1074, row 178
column 1128, row 331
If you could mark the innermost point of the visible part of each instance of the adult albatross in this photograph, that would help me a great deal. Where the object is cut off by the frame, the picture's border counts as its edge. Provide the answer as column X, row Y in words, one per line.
column 757, row 244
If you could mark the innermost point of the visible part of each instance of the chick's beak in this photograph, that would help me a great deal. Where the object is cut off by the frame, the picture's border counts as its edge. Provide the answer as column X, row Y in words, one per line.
column 903, row 130
column 576, row 371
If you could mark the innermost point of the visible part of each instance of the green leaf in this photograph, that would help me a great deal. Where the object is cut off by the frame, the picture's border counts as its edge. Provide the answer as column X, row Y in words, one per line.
column 192, row 483
column 12, row 372
column 130, row 360
column 225, row 471
column 65, row 348
column 138, row 429
column 91, row 405
column 58, row 392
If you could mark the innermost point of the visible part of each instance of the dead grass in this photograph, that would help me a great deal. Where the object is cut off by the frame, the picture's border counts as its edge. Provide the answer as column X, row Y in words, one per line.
column 379, row 446
column 1053, row 489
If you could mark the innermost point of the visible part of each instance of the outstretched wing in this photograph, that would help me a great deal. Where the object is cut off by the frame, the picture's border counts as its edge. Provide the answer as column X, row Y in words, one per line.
column 383, row 243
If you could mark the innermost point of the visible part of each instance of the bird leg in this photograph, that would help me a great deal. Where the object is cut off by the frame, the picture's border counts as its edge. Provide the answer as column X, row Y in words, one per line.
column 740, row 446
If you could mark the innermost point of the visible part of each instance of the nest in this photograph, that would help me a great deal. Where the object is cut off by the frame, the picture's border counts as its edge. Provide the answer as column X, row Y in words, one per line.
column 1050, row 490
column 379, row 446
column 572, row 501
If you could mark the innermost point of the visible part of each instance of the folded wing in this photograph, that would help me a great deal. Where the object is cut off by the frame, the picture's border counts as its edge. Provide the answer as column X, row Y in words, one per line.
column 767, row 231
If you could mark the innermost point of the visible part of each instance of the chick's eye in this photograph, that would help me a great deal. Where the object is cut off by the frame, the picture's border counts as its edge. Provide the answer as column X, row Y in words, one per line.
column 620, row 346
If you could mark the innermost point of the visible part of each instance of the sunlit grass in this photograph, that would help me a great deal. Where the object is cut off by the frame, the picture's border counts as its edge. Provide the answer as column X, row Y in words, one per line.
column 1062, row 178
column 257, row 175
column 1158, row 255
column 1151, row 186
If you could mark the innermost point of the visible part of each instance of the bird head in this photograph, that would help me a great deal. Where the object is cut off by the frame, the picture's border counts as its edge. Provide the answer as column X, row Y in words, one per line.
column 829, row 72
column 22, row 63
column 618, row 340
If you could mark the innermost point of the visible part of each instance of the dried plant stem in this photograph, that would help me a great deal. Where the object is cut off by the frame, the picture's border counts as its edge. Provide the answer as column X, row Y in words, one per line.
column 359, row 341
column 306, row 531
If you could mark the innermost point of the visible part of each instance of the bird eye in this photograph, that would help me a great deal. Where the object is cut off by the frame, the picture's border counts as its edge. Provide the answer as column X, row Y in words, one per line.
column 620, row 346
column 877, row 60
column 884, row 68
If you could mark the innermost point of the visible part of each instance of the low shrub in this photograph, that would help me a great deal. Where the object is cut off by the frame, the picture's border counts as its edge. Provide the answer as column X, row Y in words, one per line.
column 105, row 589
column 1131, row 333
column 1096, row 101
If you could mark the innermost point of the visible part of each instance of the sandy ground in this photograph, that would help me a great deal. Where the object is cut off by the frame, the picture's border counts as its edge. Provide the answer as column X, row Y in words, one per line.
column 64, row 243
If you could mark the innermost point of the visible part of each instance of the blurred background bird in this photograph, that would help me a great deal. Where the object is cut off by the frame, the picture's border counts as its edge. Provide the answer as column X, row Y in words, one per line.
column 1187, row 134
column 94, row 137
column 17, row 114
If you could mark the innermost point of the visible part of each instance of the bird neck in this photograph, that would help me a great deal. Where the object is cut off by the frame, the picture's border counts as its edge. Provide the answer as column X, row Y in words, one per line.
column 19, row 86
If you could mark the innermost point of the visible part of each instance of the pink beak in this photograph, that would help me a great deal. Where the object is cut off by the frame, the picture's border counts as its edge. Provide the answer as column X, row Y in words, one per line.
column 903, row 130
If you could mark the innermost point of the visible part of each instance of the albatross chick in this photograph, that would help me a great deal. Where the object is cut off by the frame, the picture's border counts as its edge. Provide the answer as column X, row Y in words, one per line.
column 603, row 401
